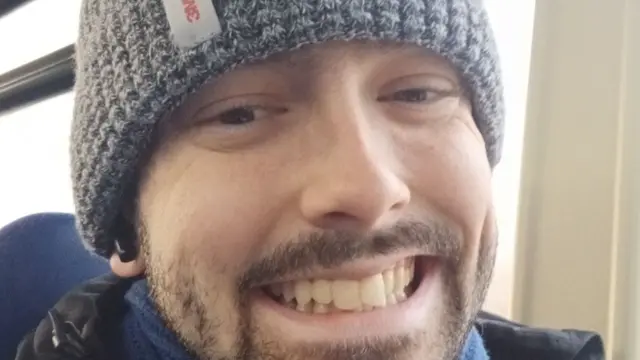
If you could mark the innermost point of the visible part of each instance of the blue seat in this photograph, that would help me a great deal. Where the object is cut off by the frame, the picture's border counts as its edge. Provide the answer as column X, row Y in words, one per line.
column 41, row 258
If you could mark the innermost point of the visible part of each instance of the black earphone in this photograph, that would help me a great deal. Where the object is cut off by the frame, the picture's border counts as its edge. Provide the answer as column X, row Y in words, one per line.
column 123, row 231
column 126, row 251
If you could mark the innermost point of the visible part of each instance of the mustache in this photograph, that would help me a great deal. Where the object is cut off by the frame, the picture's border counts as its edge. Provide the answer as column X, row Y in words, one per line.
column 333, row 248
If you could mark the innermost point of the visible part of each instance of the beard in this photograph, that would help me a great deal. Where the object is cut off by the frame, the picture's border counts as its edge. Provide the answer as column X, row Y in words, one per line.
column 214, row 324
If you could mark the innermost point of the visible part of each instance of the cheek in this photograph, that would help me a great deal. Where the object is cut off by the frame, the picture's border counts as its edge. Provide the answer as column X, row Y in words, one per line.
column 190, row 205
column 450, row 173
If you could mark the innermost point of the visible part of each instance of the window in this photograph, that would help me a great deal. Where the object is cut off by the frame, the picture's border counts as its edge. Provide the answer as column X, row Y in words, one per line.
column 36, row 29
column 513, row 26
column 34, row 159
column 34, row 140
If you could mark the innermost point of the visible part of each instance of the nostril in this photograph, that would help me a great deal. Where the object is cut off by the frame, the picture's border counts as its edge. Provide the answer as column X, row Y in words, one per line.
column 341, row 220
column 338, row 215
column 398, row 205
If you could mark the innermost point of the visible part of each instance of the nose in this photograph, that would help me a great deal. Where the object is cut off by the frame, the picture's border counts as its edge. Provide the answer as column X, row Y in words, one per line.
column 356, row 183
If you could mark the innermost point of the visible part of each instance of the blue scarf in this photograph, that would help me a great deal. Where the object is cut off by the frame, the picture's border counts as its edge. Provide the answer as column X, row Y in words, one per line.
column 146, row 337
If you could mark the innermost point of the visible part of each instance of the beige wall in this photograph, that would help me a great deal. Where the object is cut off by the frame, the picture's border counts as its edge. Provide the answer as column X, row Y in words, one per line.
column 578, row 215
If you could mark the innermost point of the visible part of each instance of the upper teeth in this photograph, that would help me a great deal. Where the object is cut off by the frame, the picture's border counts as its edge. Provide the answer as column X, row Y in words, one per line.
column 320, row 295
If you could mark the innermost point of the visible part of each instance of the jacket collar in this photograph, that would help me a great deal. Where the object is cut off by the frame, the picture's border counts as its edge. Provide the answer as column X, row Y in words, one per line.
column 75, row 327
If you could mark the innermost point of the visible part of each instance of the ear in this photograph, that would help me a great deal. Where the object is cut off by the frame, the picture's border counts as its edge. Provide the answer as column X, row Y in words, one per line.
column 129, row 269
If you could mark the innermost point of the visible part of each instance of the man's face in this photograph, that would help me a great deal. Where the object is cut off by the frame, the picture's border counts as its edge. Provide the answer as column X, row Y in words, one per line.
column 330, row 203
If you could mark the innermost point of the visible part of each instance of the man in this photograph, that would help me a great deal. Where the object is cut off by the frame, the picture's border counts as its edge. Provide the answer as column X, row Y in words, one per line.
column 300, row 179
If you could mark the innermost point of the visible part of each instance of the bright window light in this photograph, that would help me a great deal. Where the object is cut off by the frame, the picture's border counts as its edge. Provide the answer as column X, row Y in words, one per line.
column 513, row 26
column 36, row 29
column 34, row 158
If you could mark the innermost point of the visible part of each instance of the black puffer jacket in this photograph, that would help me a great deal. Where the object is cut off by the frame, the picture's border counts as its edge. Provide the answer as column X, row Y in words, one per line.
column 76, row 326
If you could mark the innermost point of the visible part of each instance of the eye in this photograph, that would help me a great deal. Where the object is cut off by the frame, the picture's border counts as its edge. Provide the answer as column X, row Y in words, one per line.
column 241, row 121
column 420, row 99
column 238, row 116
column 245, row 115
column 414, row 95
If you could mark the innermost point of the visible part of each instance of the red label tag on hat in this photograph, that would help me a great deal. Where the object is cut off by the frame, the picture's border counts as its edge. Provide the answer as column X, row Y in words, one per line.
column 191, row 21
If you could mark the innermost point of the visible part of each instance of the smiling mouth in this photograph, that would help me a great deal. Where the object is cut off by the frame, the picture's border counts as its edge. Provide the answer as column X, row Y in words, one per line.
column 392, row 286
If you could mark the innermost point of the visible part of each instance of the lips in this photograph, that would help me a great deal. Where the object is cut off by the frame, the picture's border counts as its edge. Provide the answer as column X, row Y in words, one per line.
column 338, row 304
column 386, row 288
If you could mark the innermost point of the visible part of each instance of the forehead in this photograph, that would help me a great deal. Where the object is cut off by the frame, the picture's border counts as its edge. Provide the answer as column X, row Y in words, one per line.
column 318, row 57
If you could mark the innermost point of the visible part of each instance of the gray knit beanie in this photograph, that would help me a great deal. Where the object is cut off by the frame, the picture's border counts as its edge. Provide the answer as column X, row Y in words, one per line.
column 138, row 60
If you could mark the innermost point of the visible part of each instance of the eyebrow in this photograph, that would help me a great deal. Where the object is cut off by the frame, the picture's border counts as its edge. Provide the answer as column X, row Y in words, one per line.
column 300, row 61
column 306, row 59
